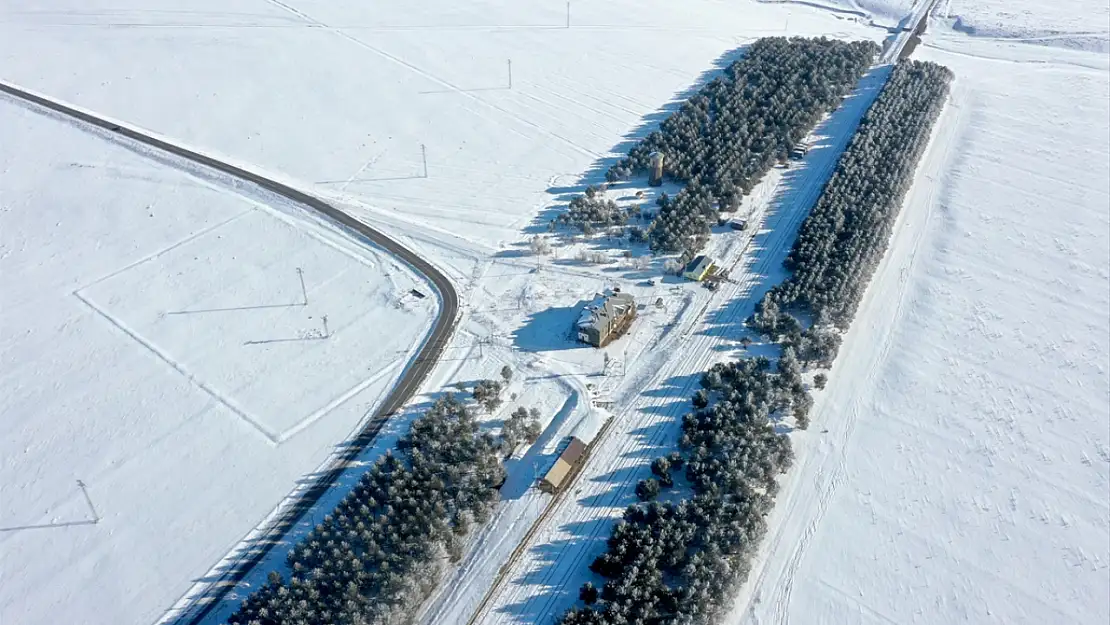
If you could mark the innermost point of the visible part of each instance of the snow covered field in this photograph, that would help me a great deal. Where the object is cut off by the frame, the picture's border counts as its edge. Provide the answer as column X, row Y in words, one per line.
column 343, row 99
column 965, row 470
column 156, row 344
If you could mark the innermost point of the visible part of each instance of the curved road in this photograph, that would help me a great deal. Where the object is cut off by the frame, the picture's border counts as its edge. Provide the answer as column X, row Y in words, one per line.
column 410, row 381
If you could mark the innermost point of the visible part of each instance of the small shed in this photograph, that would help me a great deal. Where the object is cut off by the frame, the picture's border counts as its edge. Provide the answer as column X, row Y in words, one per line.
column 567, row 462
column 699, row 268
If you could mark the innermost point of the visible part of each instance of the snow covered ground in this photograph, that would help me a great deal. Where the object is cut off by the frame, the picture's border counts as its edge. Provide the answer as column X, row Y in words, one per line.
column 958, row 468
column 1078, row 24
column 157, row 345
column 342, row 99
column 340, row 96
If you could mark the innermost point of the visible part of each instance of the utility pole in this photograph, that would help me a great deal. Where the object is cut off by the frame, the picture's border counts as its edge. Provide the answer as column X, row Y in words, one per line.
column 327, row 333
column 424, row 158
column 510, row 73
column 568, row 13
column 304, row 291
column 96, row 517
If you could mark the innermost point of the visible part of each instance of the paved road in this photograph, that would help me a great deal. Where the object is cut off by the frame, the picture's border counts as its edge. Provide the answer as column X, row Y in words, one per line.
column 409, row 383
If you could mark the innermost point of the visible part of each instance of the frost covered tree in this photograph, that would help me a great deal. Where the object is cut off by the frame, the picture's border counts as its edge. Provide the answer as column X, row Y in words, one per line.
column 488, row 394
column 539, row 245
column 647, row 489
column 724, row 139
column 376, row 557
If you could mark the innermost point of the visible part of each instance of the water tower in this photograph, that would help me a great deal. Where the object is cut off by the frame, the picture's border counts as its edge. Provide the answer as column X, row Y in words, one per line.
column 655, row 177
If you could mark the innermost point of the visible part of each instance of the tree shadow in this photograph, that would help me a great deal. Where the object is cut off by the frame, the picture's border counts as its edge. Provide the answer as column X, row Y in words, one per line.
column 595, row 175
column 554, row 572
column 798, row 190
column 524, row 471
column 315, row 495
column 560, row 564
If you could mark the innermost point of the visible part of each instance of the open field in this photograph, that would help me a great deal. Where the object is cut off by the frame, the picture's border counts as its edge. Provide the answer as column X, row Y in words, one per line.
column 344, row 108
column 158, row 346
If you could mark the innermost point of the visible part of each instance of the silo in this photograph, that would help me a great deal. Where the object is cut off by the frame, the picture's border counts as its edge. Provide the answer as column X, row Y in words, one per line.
column 655, row 177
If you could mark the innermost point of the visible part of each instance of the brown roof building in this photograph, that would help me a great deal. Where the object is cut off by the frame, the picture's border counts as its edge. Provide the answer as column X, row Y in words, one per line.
column 567, row 462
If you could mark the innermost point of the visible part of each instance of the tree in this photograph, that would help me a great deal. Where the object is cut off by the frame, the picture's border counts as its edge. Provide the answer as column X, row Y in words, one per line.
column 672, row 266
column 647, row 489
column 532, row 431
column 588, row 593
column 661, row 468
column 803, row 403
column 411, row 507
column 506, row 373
column 515, row 429
column 841, row 241
column 700, row 399
column 820, row 380
column 488, row 394
column 539, row 245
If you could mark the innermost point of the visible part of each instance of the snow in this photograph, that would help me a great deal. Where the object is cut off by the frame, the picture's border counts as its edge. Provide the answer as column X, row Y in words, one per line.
column 178, row 424
column 1081, row 24
column 155, row 344
column 958, row 468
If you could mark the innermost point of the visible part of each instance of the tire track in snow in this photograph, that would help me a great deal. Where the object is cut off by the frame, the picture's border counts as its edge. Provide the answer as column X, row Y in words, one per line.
column 453, row 87
column 830, row 479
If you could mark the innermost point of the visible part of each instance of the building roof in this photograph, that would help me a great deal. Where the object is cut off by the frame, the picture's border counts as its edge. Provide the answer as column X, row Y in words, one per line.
column 565, row 462
column 573, row 452
column 557, row 473
column 699, row 264
column 604, row 309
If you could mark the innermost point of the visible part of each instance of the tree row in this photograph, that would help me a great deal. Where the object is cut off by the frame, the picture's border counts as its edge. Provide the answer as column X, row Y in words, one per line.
column 379, row 554
column 844, row 237
column 682, row 561
column 726, row 137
